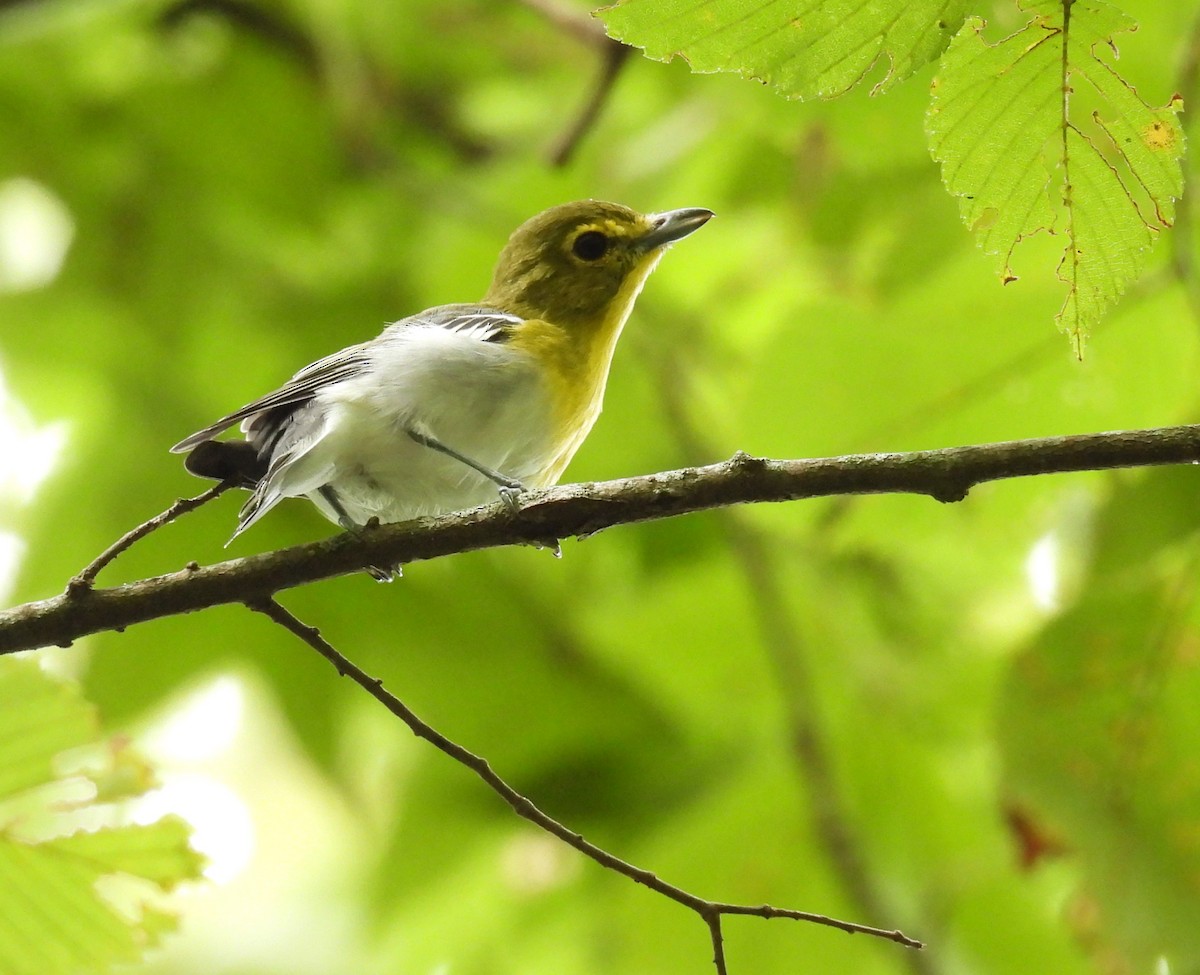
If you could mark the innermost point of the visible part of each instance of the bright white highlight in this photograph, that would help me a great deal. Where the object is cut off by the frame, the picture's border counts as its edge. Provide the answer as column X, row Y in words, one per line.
column 28, row 453
column 198, row 731
column 1042, row 572
column 533, row 864
column 203, row 726
column 35, row 231
column 222, row 828
column 11, row 550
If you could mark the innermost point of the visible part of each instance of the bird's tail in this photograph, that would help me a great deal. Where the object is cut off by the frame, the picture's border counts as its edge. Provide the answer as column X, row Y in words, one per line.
column 227, row 460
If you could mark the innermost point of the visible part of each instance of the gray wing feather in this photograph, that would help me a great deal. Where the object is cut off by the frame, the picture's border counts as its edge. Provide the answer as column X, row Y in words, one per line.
column 301, row 388
column 269, row 415
column 478, row 321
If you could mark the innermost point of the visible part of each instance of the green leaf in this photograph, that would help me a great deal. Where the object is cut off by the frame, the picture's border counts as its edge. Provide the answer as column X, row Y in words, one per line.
column 38, row 719
column 157, row 852
column 1024, row 149
column 813, row 49
column 53, row 916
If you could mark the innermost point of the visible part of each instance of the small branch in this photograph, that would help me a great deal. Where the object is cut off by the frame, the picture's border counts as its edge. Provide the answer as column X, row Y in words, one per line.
column 85, row 579
column 718, row 942
column 615, row 56
column 573, row 21
column 710, row 911
column 583, row 509
column 588, row 31
column 262, row 21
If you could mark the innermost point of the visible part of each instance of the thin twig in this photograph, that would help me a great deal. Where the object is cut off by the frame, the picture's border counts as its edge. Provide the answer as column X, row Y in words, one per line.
column 579, row 510
column 588, row 31
column 710, row 911
column 574, row 21
column 84, row 581
column 614, row 58
column 266, row 22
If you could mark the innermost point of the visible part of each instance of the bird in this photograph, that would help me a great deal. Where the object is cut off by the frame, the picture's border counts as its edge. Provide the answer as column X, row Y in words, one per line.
column 461, row 404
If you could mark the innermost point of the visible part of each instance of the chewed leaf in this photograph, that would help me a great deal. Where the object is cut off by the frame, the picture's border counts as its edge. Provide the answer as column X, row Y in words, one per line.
column 158, row 852
column 805, row 49
column 1021, row 158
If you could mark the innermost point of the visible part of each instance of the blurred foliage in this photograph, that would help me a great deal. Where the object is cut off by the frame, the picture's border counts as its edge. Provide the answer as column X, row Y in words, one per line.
column 57, row 917
column 860, row 706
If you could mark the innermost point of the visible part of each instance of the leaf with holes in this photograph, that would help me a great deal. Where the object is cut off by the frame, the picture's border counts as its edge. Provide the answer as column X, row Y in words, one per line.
column 1038, row 132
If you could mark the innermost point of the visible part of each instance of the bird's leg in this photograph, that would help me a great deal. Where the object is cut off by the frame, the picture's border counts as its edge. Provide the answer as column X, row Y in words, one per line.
column 331, row 498
column 510, row 488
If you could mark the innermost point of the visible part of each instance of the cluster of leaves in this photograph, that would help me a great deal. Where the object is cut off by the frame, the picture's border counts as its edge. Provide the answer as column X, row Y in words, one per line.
column 856, row 707
column 55, row 916
column 1016, row 149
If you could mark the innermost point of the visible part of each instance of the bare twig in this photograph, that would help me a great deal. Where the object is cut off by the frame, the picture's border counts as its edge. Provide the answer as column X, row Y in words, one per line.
column 587, row 30
column 574, row 21
column 268, row 23
column 584, row 509
column 85, row 579
column 614, row 58
column 710, row 911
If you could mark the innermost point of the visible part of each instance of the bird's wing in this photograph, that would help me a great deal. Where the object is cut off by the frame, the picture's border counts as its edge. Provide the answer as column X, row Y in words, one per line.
column 301, row 388
column 478, row 321
column 267, row 415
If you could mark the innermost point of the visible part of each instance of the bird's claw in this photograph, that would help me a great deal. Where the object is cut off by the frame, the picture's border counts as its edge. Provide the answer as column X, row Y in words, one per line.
column 510, row 495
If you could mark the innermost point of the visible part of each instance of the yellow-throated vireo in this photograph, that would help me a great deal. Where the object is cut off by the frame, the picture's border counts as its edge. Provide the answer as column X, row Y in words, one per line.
column 448, row 406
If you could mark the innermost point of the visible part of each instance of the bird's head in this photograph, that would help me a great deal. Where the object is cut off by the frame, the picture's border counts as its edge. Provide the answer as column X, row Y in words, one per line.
column 581, row 264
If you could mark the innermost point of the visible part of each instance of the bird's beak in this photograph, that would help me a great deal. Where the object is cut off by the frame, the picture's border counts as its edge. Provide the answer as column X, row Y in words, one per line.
column 668, row 227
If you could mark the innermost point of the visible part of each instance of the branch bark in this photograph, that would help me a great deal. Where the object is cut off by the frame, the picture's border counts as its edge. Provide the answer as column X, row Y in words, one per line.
column 583, row 509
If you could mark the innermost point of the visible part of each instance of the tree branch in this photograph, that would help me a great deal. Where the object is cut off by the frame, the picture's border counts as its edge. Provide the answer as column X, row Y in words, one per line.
column 583, row 27
column 584, row 509
column 87, row 576
column 710, row 911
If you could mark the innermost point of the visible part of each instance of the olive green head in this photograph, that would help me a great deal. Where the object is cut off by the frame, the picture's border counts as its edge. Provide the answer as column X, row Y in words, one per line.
column 569, row 264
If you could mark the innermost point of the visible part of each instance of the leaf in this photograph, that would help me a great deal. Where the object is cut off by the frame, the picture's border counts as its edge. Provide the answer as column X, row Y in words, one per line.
column 157, row 852
column 1022, row 157
column 38, row 719
column 804, row 49
column 53, row 916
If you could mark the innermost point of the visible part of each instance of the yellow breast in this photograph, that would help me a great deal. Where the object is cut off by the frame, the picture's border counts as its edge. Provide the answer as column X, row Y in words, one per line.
column 575, row 361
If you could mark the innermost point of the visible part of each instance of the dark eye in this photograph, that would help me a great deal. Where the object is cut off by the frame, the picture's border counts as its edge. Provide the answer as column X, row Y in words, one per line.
column 590, row 245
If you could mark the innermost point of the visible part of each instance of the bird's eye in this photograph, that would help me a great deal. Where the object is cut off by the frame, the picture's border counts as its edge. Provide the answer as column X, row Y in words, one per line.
column 591, row 245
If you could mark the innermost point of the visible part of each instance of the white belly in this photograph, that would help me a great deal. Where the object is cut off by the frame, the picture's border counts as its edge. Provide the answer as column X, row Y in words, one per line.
column 483, row 400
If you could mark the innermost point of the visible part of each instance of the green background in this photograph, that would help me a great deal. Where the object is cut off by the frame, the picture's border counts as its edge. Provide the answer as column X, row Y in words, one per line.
column 859, row 707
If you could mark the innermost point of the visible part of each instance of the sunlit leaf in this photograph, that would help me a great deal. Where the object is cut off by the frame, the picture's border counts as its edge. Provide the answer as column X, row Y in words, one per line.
column 53, row 917
column 1023, row 149
column 805, row 49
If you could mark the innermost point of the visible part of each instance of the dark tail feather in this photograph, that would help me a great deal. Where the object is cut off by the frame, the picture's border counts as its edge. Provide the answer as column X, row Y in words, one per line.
column 227, row 460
